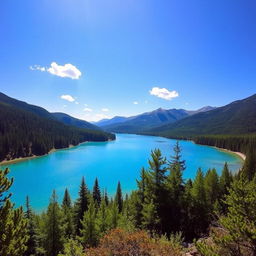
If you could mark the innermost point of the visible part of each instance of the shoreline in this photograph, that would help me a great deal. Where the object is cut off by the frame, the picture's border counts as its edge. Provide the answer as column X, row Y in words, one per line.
column 239, row 154
column 21, row 159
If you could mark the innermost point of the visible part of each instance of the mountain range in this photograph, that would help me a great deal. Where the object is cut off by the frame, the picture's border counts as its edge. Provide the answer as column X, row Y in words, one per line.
column 148, row 120
column 238, row 117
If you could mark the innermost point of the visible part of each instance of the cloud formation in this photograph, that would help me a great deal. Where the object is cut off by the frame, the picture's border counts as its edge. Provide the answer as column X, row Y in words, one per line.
column 37, row 67
column 135, row 102
column 163, row 93
column 67, row 70
column 87, row 109
column 105, row 109
column 67, row 97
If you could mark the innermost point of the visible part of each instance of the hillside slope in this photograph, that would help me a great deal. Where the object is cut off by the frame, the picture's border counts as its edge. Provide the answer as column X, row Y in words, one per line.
column 27, row 130
column 238, row 117
column 70, row 120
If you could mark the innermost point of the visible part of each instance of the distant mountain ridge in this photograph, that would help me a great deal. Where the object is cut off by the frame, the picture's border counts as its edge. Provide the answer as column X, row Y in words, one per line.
column 27, row 130
column 238, row 117
column 70, row 120
column 148, row 120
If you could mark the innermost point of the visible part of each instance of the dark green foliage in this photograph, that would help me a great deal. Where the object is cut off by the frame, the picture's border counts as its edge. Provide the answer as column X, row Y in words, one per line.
column 27, row 130
column 119, row 197
column 68, row 219
column 237, row 229
column 13, row 224
column 89, row 230
column 66, row 202
column 32, row 243
column 5, row 184
column 81, row 206
column 96, row 193
column 53, row 239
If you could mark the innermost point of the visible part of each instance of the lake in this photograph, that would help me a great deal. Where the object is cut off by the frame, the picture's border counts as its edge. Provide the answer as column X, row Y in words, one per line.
column 119, row 160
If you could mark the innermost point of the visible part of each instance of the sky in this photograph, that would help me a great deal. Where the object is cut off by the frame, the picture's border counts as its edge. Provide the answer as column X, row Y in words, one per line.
column 96, row 59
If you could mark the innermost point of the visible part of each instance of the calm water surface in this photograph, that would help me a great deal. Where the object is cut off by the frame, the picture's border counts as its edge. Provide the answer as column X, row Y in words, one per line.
column 119, row 160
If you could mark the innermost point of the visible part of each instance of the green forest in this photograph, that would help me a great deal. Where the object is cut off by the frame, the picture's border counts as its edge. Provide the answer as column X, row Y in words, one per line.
column 163, row 216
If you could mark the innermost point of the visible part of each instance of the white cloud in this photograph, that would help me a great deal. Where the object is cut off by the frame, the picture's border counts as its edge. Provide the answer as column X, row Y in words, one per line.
column 105, row 109
column 37, row 67
column 135, row 102
column 67, row 70
column 67, row 97
column 163, row 93
column 87, row 109
column 76, row 102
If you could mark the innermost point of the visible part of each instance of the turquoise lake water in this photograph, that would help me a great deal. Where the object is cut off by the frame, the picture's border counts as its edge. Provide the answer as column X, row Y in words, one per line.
column 114, row 161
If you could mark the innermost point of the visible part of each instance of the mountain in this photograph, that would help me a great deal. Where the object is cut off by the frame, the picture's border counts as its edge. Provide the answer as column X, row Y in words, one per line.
column 27, row 130
column 69, row 120
column 238, row 117
column 114, row 120
column 149, row 120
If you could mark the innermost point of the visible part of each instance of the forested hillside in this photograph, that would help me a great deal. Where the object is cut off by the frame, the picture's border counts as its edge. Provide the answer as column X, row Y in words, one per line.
column 27, row 130
column 69, row 120
column 238, row 117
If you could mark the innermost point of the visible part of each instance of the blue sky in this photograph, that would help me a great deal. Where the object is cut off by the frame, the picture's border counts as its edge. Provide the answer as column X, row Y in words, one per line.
column 197, row 52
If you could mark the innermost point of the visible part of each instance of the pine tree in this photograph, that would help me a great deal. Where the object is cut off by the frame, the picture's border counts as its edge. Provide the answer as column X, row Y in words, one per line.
column 6, row 183
column 200, row 210
column 89, row 231
column 102, row 218
column 237, row 232
column 113, row 215
column 249, row 168
column 66, row 202
column 96, row 193
column 176, row 158
column 172, row 210
column 119, row 197
column 13, row 224
column 81, row 206
column 212, row 187
column 53, row 242
column 150, row 217
column 68, row 225
column 32, row 242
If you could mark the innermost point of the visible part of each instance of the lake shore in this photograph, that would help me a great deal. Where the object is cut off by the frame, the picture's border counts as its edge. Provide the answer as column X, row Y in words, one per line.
column 240, row 154
column 21, row 159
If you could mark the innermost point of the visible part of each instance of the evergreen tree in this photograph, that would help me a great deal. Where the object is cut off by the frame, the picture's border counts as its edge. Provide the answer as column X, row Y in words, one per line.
column 237, row 232
column 200, row 210
column 13, row 233
column 53, row 242
column 102, row 218
column 106, row 197
column 96, row 193
column 150, row 218
column 89, row 231
column 32, row 243
column 81, row 206
column 176, row 158
column 66, row 202
column 68, row 225
column 113, row 215
column 212, row 189
column 249, row 168
column 72, row 248
column 5, row 184
column 119, row 197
